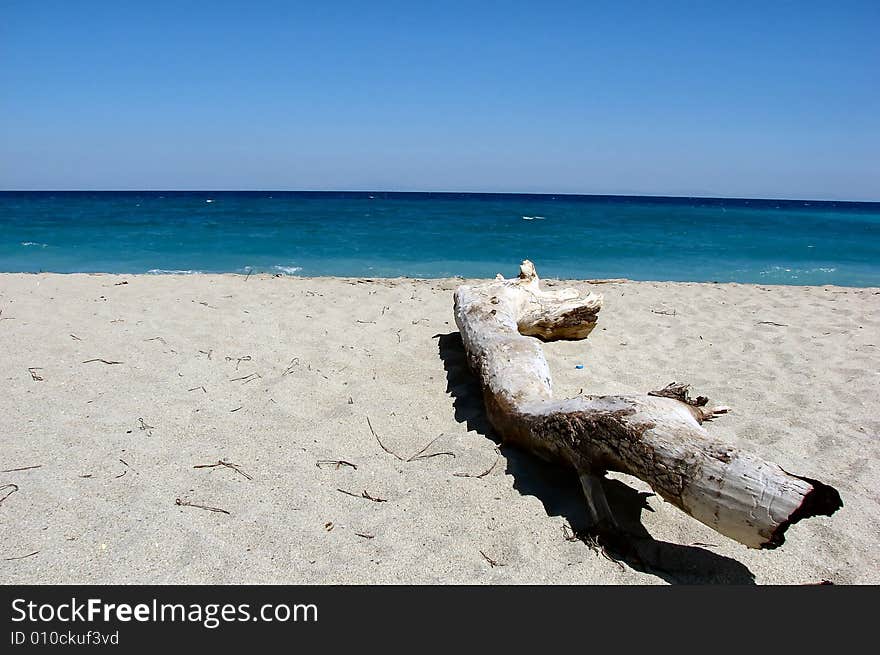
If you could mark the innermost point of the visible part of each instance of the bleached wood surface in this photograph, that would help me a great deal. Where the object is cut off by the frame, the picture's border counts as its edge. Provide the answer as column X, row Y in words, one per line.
column 657, row 437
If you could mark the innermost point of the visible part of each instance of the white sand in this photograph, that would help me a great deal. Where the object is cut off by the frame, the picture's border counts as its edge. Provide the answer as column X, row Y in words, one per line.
column 804, row 395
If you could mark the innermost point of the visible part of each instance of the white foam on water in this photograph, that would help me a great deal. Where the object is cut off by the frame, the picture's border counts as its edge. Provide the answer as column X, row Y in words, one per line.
column 796, row 271
column 288, row 270
column 533, row 218
column 165, row 271
column 34, row 243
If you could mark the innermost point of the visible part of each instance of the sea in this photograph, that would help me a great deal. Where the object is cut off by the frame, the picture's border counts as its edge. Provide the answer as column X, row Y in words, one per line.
column 430, row 235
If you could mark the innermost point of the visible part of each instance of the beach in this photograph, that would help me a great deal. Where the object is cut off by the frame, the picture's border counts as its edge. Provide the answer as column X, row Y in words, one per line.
column 354, row 445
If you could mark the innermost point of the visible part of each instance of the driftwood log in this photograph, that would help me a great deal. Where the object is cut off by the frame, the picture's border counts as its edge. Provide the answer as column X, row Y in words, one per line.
column 657, row 437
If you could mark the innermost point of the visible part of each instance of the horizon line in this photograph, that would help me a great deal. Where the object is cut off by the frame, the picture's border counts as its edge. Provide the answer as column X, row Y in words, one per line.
column 473, row 193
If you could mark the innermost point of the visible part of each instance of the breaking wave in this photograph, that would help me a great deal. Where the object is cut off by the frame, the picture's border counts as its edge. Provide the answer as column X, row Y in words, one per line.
column 288, row 270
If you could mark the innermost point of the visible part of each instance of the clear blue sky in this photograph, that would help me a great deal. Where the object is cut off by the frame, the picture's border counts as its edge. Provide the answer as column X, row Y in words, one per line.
column 763, row 99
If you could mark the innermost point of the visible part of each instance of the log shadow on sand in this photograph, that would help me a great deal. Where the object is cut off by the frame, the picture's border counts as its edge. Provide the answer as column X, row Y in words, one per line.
column 560, row 492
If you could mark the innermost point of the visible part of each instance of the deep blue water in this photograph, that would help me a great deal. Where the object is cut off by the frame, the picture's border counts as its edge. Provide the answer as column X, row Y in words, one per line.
column 437, row 235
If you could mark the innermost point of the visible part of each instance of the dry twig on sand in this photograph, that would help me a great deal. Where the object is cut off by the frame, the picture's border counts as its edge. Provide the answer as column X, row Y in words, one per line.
column 417, row 456
column 229, row 465
column 185, row 503
column 381, row 445
column 493, row 563
column 484, row 473
column 364, row 494
column 9, row 559
column 238, row 360
column 337, row 463
column 103, row 361
column 412, row 458
column 12, row 489
column 247, row 378
column 21, row 468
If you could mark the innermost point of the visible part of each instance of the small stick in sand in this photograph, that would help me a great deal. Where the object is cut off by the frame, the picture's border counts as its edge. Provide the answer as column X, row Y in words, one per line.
column 186, row 503
column 484, row 473
column 412, row 458
column 365, row 535
column 417, row 456
column 12, row 489
column 220, row 462
column 663, row 312
column 491, row 561
column 103, row 361
column 9, row 559
column 36, row 377
column 22, row 468
column 247, row 378
column 772, row 323
column 75, row 338
column 381, row 445
column 199, row 387
column 337, row 463
column 364, row 494
column 239, row 360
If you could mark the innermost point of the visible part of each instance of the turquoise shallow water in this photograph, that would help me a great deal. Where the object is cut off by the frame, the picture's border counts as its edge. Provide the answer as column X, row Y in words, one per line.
column 438, row 235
